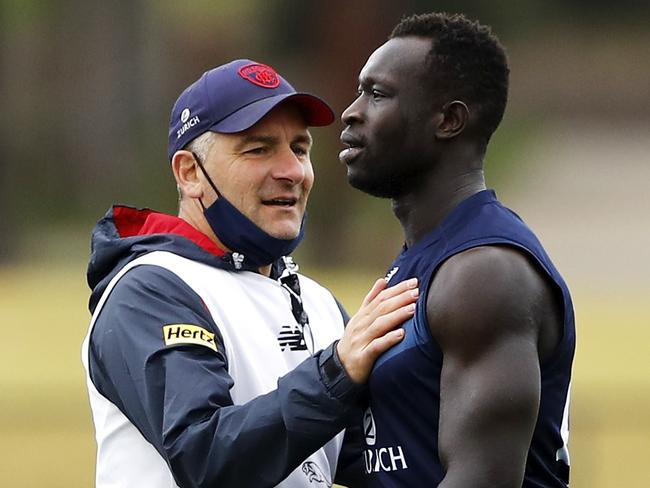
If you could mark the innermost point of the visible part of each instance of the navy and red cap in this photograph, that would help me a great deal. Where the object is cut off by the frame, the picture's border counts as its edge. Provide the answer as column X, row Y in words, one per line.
column 232, row 98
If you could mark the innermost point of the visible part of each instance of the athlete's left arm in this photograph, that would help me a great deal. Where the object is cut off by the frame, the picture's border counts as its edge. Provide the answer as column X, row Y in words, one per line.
column 495, row 318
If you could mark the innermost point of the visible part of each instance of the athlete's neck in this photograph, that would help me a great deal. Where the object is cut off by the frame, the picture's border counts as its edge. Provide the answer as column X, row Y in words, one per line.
column 423, row 210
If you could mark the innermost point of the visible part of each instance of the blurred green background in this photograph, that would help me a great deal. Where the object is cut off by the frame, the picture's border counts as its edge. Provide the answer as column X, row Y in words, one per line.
column 86, row 92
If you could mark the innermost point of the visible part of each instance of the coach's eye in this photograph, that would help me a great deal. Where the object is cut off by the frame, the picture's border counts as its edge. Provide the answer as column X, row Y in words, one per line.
column 300, row 151
column 257, row 151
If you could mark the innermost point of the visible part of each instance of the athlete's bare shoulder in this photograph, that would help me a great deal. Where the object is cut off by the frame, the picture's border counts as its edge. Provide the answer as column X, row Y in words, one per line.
column 488, row 291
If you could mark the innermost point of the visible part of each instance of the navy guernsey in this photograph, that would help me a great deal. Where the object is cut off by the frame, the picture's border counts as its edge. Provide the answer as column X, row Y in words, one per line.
column 401, row 425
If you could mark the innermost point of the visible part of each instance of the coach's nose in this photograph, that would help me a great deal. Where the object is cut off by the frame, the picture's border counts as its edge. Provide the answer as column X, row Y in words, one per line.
column 289, row 166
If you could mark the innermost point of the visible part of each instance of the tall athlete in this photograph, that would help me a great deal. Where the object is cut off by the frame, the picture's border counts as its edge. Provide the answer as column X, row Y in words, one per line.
column 210, row 360
column 476, row 395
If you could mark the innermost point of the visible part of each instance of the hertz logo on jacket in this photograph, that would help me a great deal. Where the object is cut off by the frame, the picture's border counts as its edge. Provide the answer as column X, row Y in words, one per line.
column 188, row 334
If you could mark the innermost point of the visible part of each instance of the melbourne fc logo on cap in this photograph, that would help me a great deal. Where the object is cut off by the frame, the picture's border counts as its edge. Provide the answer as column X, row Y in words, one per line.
column 260, row 75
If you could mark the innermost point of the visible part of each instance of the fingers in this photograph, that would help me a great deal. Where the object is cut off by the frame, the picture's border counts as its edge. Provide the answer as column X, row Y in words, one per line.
column 399, row 312
column 358, row 360
column 396, row 290
column 377, row 287
column 372, row 330
column 390, row 299
column 388, row 304
column 382, row 301
column 381, row 344
column 381, row 291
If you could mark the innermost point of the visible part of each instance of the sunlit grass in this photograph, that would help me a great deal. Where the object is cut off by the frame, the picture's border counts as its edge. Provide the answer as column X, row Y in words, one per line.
column 46, row 436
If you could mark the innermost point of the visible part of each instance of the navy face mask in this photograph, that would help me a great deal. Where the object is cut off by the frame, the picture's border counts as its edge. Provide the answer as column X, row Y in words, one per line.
column 239, row 234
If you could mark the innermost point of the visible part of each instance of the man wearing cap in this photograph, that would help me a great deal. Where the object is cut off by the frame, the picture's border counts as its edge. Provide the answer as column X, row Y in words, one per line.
column 210, row 360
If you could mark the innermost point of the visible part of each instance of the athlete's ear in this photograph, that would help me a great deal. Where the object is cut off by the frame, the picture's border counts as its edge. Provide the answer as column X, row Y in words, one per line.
column 186, row 174
column 452, row 119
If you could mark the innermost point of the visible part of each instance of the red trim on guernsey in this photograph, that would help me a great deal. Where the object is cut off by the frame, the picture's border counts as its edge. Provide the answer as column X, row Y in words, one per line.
column 134, row 222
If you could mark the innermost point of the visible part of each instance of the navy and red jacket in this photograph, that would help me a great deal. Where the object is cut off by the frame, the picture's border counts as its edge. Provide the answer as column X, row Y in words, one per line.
column 178, row 398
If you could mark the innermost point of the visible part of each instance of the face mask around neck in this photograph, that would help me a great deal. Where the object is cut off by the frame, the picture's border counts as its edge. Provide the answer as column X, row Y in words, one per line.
column 239, row 234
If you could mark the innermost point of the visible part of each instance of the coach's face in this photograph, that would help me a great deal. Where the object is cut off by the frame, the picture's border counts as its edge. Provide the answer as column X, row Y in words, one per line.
column 388, row 127
column 266, row 171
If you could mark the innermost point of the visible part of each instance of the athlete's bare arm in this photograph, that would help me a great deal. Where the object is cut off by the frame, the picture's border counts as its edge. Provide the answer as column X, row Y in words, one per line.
column 495, row 318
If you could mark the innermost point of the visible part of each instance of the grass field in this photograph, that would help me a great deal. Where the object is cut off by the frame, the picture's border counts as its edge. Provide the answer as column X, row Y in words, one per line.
column 46, row 437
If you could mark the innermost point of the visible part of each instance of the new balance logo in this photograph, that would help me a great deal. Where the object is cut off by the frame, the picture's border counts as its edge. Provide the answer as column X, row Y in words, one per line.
column 291, row 337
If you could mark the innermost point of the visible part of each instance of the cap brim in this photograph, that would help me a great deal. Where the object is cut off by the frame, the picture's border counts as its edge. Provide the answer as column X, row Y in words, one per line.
column 316, row 112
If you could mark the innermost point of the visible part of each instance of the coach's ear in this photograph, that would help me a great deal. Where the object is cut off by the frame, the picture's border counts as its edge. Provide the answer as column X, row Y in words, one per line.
column 185, row 169
column 452, row 119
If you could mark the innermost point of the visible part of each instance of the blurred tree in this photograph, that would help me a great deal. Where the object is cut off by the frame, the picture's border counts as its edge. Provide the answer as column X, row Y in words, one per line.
column 112, row 77
column 5, row 228
column 87, row 89
column 72, row 96
column 330, row 43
